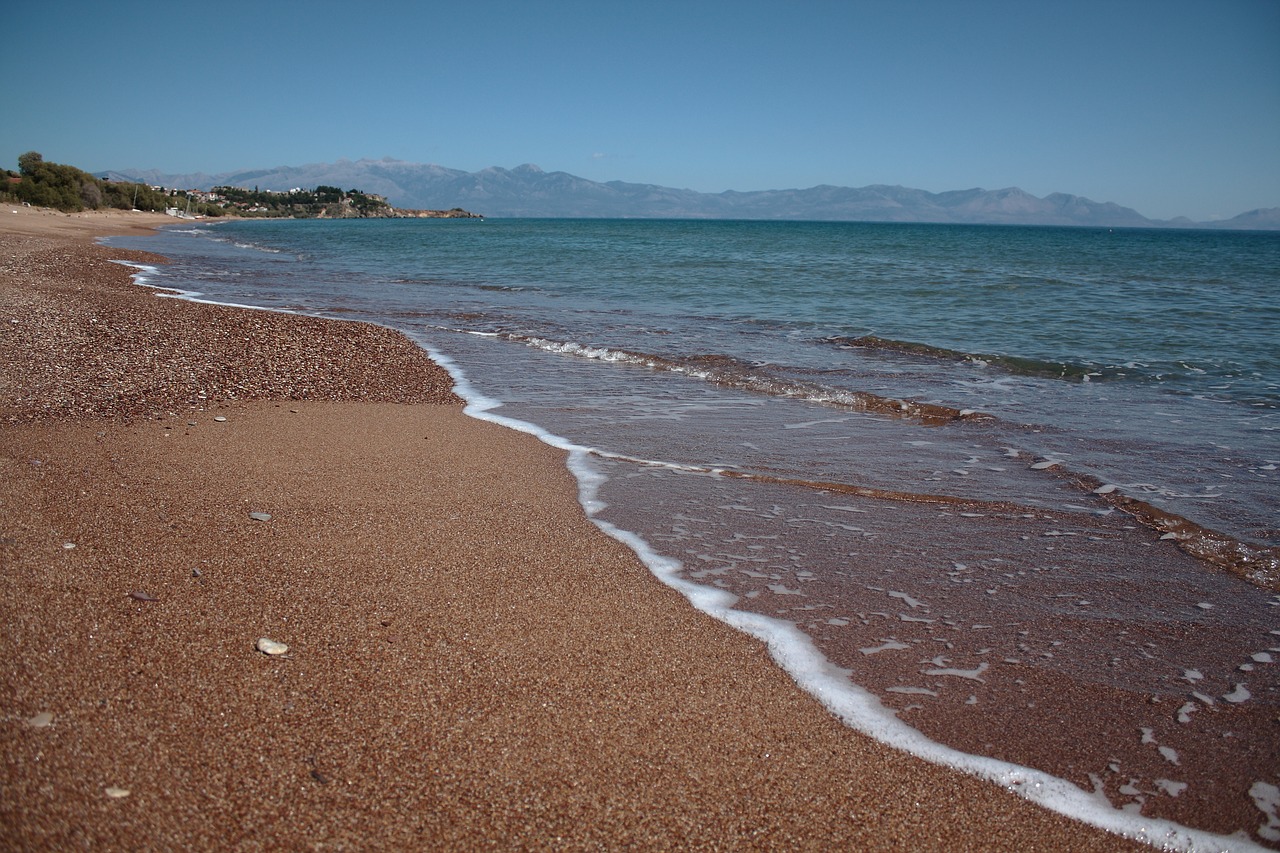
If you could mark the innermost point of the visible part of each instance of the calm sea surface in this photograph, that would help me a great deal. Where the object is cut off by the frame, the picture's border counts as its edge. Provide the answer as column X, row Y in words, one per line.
column 1005, row 497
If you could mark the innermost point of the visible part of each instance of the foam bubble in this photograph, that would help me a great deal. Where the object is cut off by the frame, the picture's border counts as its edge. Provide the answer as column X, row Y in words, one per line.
column 914, row 691
column 1267, row 798
column 971, row 674
column 906, row 599
column 1238, row 695
column 885, row 646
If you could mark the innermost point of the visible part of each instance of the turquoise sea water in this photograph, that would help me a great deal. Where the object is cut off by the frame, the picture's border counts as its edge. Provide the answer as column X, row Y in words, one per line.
column 974, row 480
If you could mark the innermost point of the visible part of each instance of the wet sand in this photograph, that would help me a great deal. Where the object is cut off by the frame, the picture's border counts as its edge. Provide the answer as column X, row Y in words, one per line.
column 471, row 663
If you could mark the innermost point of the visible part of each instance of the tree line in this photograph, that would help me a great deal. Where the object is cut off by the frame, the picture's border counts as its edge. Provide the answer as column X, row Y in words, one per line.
column 42, row 183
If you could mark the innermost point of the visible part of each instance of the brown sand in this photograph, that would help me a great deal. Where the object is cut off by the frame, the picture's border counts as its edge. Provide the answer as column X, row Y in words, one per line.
column 472, row 664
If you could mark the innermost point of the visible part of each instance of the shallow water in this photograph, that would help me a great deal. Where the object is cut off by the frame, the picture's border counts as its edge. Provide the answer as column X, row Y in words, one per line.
column 1016, row 483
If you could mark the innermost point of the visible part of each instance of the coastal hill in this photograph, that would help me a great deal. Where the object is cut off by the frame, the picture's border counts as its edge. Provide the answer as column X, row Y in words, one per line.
column 529, row 191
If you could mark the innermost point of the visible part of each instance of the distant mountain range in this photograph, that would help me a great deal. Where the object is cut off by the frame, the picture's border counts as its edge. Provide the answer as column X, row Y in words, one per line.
column 527, row 191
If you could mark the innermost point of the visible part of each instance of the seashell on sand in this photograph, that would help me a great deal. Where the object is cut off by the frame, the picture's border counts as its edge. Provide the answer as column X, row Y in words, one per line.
column 271, row 647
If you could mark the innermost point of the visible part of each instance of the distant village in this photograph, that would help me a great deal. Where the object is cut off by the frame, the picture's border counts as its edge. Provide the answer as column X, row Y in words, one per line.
column 323, row 202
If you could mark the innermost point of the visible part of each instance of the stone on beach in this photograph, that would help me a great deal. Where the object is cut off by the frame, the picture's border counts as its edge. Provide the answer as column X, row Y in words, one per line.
column 41, row 720
column 271, row 647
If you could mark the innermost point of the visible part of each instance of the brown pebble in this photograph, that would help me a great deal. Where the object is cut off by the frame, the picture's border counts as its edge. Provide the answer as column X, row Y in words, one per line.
column 41, row 720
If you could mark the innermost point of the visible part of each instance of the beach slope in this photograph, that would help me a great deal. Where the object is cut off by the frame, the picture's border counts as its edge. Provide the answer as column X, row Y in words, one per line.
column 471, row 663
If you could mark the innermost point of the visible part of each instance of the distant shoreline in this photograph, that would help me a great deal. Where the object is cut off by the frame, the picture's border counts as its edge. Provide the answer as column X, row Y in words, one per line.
column 528, row 192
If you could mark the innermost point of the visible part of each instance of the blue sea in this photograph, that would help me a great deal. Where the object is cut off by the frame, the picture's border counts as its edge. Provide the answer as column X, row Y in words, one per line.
column 1004, row 497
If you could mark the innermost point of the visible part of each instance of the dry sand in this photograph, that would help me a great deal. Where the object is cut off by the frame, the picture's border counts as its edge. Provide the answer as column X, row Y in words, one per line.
column 471, row 664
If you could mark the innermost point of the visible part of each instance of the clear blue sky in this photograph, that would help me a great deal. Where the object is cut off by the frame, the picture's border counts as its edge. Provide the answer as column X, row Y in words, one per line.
column 1169, row 107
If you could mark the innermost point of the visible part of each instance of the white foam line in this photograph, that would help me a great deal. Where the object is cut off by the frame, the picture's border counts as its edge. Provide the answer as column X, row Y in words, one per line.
column 796, row 654
column 166, row 291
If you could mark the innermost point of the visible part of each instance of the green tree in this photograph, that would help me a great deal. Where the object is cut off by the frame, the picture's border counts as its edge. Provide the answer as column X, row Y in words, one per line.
column 29, row 162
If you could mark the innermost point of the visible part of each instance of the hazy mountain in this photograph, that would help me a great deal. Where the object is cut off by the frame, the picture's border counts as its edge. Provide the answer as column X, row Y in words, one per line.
column 528, row 191
column 1262, row 219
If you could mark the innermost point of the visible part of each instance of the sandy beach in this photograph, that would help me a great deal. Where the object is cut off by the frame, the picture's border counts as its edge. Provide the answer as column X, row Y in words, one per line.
column 471, row 663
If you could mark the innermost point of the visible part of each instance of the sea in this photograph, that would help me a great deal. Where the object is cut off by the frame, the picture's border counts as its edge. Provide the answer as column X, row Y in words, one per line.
column 1004, row 497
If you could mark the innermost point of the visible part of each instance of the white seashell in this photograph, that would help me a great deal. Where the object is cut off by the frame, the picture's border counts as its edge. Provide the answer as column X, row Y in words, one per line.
column 219, row 418
column 39, row 721
column 271, row 647
column 1105, row 490
column 260, row 516
column 1040, row 466
column 116, row 793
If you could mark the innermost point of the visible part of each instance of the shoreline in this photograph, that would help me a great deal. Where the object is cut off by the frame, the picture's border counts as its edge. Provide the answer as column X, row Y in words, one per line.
column 472, row 663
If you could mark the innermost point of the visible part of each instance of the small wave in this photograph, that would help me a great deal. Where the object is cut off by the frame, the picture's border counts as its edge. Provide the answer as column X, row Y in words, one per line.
column 730, row 372
column 254, row 247
column 1258, row 564
column 490, row 288
column 1013, row 364
column 239, row 244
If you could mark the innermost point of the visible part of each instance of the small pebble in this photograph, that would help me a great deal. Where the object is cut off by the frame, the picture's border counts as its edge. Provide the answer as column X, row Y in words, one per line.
column 260, row 516
column 219, row 418
column 139, row 595
column 116, row 793
column 69, row 545
column 271, row 647
column 41, row 720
